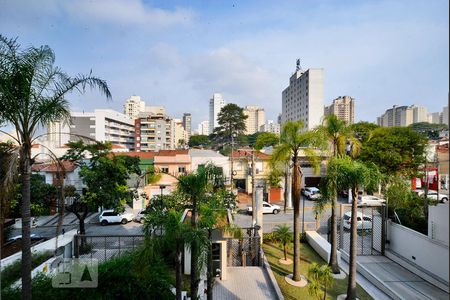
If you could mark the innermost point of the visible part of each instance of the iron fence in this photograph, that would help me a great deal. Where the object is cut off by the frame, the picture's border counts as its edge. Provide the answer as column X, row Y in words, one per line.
column 244, row 251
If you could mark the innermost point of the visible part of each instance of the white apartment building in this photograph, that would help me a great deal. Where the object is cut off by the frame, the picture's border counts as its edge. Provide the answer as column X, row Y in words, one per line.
column 445, row 115
column 133, row 106
column 203, row 128
column 215, row 105
column 343, row 107
column 270, row 126
column 155, row 110
column 403, row 116
column 256, row 117
column 303, row 99
column 153, row 132
column 102, row 125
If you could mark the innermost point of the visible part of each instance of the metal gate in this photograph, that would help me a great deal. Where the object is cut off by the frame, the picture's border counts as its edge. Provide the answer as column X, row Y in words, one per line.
column 370, row 229
column 245, row 251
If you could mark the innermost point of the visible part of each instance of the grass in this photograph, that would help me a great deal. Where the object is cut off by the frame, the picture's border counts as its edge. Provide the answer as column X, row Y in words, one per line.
column 274, row 252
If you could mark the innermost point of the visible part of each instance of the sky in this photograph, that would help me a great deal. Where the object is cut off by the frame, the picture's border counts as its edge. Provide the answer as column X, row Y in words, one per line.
column 178, row 53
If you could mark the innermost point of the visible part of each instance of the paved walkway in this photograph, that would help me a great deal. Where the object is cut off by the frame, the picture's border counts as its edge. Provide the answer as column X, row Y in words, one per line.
column 400, row 281
column 244, row 283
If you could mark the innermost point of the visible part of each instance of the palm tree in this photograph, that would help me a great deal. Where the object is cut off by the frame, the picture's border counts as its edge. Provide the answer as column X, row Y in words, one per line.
column 293, row 140
column 318, row 277
column 284, row 236
column 337, row 133
column 352, row 175
column 32, row 94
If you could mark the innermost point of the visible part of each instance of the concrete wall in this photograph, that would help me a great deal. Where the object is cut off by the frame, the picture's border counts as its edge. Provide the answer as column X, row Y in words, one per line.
column 419, row 249
column 438, row 217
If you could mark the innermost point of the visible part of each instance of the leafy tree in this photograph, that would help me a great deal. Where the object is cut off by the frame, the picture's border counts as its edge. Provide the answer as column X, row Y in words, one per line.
column 319, row 277
column 429, row 130
column 266, row 139
column 363, row 130
column 199, row 140
column 395, row 150
column 32, row 94
column 284, row 236
column 231, row 121
column 292, row 140
column 354, row 175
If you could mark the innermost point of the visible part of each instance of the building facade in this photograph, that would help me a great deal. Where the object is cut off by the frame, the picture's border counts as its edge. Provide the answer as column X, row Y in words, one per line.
column 133, row 106
column 215, row 105
column 256, row 117
column 270, row 126
column 343, row 107
column 179, row 137
column 303, row 99
column 103, row 125
column 203, row 128
column 152, row 132
column 403, row 116
column 187, row 124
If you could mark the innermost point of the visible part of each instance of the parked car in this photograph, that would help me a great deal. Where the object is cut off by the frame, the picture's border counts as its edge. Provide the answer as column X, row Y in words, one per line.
column 433, row 195
column 363, row 222
column 33, row 236
column 315, row 196
column 309, row 191
column 140, row 216
column 370, row 200
column 110, row 216
column 267, row 209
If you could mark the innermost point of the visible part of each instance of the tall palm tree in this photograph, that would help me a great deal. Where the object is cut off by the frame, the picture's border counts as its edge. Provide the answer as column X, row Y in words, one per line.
column 338, row 134
column 293, row 140
column 352, row 175
column 32, row 94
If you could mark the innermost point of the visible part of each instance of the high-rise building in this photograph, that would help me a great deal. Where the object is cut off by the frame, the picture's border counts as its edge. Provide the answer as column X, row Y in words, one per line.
column 403, row 116
column 302, row 100
column 133, row 106
column 179, row 136
column 255, row 118
column 435, row 118
column 103, row 125
column 270, row 126
column 445, row 115
column 215, row 105
column 153, row 132
column 343, row 107
column 203, row 128
column 187, row 124
column 155, row 110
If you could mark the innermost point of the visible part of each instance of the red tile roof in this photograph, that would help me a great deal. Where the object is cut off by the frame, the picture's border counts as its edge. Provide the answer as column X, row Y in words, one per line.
column 66, row 166
column 243, row 153
column 142, row 155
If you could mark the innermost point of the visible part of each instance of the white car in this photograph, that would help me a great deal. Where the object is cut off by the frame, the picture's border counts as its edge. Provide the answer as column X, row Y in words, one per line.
column 310, row 191
column 140, row 216
column 267, row 208
column 363, row 222
column 110, row 216
column 370, row 200
column 33, row 237
column 433, row 195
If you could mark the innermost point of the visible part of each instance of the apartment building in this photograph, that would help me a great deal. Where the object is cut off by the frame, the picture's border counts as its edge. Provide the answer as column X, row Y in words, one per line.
column 133, row 106
column 403, row 116
column 203, row 128
column 343, row 107
column 255, row 118
column 215, row 105
column 179, row 136
column 152, row 132
column 187, row 125
column 270, row 126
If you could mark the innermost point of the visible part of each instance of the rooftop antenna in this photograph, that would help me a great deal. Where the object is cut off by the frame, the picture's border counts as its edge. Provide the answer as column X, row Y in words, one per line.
column 298, row 68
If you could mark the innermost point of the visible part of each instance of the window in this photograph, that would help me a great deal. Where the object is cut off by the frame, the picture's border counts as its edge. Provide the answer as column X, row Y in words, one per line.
column 165, row 170
column 181, row 169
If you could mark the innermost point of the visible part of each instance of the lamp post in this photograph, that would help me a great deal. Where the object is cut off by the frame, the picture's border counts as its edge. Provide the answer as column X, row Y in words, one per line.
column 162, row 187
column 231, row 159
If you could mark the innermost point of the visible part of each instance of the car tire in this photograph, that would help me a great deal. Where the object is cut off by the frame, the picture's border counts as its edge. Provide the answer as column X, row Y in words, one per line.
column 275, row 211
column 104, row 223
column 124, row 221
column 141, row 221
column 444, row 200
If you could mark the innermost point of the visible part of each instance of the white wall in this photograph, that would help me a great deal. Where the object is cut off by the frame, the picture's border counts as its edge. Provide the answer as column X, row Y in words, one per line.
column 429, row 254
column 438, row 217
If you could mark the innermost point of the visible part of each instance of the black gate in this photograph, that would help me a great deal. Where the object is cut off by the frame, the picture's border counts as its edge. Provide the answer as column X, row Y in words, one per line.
column 245, row 250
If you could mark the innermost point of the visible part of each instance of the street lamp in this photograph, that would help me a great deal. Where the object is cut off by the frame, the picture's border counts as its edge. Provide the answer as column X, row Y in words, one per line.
column 233, row 135
column 162, row 187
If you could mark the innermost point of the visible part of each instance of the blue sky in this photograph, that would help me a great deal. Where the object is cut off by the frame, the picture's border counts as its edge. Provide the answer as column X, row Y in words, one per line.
column 178, row 53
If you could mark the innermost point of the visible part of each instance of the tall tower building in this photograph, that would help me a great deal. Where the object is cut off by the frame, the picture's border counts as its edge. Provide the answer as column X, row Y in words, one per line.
column 187, row 121
column 133, row 106
column 343, row 107
column 215, row 105
column 203, row 128
column 302, row 100
column 255, row 118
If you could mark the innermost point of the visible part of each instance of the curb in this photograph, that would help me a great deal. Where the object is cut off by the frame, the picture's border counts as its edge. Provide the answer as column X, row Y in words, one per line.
column 273, row 281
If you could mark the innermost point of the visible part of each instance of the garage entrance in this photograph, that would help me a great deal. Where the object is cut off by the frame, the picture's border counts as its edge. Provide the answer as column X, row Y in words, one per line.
column 312, row 181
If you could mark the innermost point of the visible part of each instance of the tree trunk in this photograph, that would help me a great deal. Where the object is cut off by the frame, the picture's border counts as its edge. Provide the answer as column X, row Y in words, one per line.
column 296, row 186
column 26, row 229
column 333, row 263
column 351, row 286
column 286, row 192
column 285, row 251
column 195, row 280
column 178, row 271
column 210, row 277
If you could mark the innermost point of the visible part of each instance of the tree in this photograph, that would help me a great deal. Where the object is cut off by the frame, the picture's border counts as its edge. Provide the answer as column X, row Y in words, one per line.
column 319, row 277
column 284, row 236
column 199, row 140
column 32, row 94
column 266, row 139
column 363, row 130
column 231, row 121
column 354, row 175
column 293, row 140
column 429, row 130
column 396, row 151
column 338, row 135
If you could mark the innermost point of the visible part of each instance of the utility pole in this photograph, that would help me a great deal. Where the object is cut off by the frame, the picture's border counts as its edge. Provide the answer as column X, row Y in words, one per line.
column 253, row 189
column 231, row 160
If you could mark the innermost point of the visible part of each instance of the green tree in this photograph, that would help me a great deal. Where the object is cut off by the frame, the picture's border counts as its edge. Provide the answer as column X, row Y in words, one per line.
column 32, row 94
column 363, row 130
column 266, row 139
column 199, row 140
column 395, row 150
column 338, row 134
column 319, row 277
column 293, row 140
column 231, row 121
column 283, row 235
column 353, row 175
column 429, row 130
